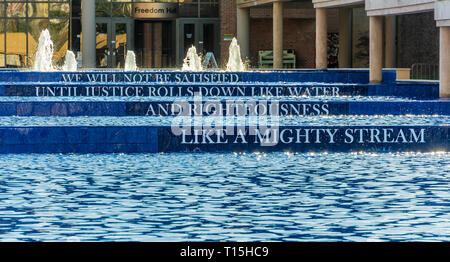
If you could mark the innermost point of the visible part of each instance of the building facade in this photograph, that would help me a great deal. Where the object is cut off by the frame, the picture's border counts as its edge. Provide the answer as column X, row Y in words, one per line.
column 160, row 31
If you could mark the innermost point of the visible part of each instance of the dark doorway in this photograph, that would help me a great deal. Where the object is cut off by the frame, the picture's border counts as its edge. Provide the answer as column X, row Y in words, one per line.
column 154, row 44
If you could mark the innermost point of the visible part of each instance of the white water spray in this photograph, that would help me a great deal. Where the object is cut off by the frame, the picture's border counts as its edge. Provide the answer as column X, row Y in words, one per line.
column 193, row 61
column 130, row 62
column 70, row 62
column 234, row 60
column 44, row 55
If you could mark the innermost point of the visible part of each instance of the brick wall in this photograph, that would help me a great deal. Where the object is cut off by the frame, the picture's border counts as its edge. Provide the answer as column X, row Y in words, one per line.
column 227, row 26
column 417, row 39
column 299, row 31
column 298, row 34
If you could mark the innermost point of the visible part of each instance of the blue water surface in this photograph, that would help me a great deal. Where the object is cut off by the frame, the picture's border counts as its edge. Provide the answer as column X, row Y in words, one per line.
column 225, row 197
column 332, row 120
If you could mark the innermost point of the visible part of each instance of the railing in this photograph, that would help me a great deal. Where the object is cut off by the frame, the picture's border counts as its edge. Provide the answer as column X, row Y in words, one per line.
column 422, row 71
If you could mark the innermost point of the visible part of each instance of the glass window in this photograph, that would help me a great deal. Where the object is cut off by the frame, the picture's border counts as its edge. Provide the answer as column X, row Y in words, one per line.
column 102, row 8
column 101, row 45
column 16, row 10
column 59, row 10
column 160, row 1
column 59, row 31
column 16, row 43
column 209, row 10
column 76, row 8
column 121, row 10
column 2, row 45
column 38, row 10
column 188, row 10
column 76, row 35
column 35, row 27
column 2, row 9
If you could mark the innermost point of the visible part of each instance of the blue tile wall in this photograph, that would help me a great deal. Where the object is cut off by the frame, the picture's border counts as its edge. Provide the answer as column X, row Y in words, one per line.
column 21, row 83
column 332, row 75
column 436, row 139
column 78, row 140
column 161, row 139
column 164, row 90
column 418, row 90
column 163, row 108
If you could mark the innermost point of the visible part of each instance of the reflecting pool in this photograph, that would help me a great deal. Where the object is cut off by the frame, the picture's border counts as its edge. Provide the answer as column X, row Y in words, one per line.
column 245, row 197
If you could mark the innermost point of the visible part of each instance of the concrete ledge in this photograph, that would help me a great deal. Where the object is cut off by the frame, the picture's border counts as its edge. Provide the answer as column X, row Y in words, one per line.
column 442, row 12
column 403, row 73
column 336, row 3
column 398, row 7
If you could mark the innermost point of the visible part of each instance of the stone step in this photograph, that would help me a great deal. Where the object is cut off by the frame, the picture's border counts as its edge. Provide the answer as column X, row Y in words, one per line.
column 154, row 139
column 410, row 89
column 223, row 108
column 342, row 76
column 183, row 89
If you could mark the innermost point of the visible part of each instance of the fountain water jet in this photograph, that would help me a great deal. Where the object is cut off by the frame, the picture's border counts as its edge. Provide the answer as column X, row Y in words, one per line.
column 234, row 60
column 44, row 55
column 130, row 62
column 70, row 63
column 192, row 62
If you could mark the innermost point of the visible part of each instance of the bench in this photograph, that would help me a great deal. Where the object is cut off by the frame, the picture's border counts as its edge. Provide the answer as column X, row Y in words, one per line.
column 265, row 59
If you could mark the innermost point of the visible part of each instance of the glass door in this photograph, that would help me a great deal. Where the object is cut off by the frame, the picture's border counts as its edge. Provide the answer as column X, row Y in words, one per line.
column 102, row 46
column 201, row 33
column 154, row 44
column 112, row 42
column 189, row 36
column 119, row 45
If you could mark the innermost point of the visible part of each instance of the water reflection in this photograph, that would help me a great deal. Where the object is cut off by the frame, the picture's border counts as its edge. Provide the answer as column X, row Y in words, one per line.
column 245, row 197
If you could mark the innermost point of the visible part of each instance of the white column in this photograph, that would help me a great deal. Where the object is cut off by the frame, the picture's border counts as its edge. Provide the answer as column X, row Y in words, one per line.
column 444, row 88
column 321, row 39
column 88, row 33
column 278, row 35
column 243, row 31
column 376, row 49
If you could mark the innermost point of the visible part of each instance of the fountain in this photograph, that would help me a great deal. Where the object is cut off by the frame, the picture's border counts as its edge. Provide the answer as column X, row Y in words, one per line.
column 284, row 110
column 235, row 63
column 130, row 62
column 70, row 63
column 192, row 62
column 44, row 54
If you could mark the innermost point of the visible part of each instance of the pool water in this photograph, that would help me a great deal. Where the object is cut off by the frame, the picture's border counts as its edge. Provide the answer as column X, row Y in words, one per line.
column 339, row 120
column 207, row 98
column 245, row 197
column 235, row 196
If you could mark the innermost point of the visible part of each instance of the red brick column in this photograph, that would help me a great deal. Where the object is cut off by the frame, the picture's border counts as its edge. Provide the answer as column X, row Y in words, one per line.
column 227, row 26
